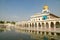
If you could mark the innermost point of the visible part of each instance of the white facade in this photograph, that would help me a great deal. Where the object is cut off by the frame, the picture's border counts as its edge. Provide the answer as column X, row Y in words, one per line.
column 42, row 23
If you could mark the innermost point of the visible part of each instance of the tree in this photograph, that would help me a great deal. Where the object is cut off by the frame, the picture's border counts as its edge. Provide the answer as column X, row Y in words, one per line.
column 12, row 22
column 8, row 22
column 2, row 22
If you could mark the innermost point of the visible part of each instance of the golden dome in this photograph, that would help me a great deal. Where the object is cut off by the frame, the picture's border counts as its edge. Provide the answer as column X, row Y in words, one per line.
column 45, row 7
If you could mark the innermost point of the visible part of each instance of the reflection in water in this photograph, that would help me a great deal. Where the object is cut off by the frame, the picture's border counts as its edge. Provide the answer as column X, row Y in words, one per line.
column 12, row 35
column 45, row 38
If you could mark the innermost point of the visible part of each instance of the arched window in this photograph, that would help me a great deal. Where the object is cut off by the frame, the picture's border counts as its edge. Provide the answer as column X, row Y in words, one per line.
column 39, row 24
column 47, row 25
column 25, row 25
column 42, row 24
column 32, row 25
column 57, row 25
column 52, row 25
column 35, row 24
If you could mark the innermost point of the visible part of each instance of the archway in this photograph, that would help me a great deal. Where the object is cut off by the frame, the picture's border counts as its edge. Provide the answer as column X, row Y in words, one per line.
column 43, row 25
column 35, row 24
column 47, row 25
column 32, row 25
column 52, row 25
column 57, row 25
column 39, row 24
column 26, row 25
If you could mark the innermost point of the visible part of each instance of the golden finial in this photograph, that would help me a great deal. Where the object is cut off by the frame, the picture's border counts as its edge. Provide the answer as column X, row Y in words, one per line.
column 45, row 7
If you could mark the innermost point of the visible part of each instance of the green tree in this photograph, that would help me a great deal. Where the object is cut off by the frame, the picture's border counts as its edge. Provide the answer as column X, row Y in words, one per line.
column 12, row 22
column 2, row 22
column 8, row 22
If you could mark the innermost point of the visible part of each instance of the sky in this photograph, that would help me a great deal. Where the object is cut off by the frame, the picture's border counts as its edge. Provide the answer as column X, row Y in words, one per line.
column 17, row 10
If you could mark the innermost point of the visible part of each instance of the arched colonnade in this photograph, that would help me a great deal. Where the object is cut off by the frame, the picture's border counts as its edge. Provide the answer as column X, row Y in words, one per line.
column 55, row 24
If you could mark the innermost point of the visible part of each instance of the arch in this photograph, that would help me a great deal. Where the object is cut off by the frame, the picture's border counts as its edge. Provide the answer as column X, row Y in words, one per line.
column 42, row 24
column 26, row 25
column 39, row 24
column 52, row 25
column 35, row 24
column 47, row 25
column 32, row 25
column 57, row 25
column 39, row 32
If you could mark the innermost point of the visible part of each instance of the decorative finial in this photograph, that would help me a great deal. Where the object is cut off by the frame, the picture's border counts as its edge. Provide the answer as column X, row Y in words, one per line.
column 45, row 7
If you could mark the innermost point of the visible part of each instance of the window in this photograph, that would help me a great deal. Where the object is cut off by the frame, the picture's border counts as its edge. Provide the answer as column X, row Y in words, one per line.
column 39, row 19
column 44, row 17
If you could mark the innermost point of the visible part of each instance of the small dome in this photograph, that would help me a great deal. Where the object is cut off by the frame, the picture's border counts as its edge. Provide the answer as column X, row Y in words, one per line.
column 45, row 7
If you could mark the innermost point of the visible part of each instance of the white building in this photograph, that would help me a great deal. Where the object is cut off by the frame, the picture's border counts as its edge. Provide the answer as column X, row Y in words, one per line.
column 43, row 23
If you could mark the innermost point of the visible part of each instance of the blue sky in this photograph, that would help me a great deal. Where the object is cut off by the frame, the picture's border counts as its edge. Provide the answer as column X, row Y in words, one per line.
column 17, row 10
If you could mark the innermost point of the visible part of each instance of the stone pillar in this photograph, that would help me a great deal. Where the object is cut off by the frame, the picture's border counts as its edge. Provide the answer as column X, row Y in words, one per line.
column 45, row 25
column 29, row 26
column 37, row 28
column 41, row 24
column 49, row 25
column 55, row 27
column 45, row 28
column 34, row 27
column 41, row 28
column 49, row 28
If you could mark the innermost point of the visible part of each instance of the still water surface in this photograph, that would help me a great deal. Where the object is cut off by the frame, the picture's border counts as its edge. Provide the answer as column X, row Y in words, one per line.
column 12, row 35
